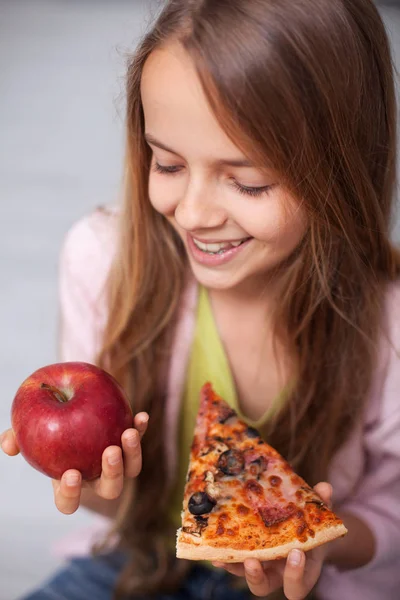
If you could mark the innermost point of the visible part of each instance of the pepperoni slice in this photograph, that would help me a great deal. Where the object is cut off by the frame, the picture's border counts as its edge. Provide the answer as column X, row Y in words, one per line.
column 276, row 514
column 271, row 514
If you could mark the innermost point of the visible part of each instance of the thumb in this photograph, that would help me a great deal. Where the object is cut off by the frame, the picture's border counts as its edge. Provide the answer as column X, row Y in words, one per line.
column 325, row 490
column 9, row 443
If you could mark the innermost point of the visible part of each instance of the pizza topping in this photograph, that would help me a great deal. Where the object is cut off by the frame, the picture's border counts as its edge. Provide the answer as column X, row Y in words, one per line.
column 220, row 446
column 231, row 462
column 312, row 497
column 196, row 529
column 200, row 503
column 317, row 502
column 225, row 414
column 212, row 490
column 258, row 466
column 215, row 444
column 252, row 433
column 271, row 515
column 192, row 529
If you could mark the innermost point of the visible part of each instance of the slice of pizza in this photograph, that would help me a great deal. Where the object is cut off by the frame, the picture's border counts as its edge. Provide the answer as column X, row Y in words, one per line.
column 241, row 498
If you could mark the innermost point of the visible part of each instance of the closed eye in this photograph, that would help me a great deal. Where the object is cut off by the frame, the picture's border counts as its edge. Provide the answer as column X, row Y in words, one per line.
column 252, row 191
column 172, row 170
column 242, row 189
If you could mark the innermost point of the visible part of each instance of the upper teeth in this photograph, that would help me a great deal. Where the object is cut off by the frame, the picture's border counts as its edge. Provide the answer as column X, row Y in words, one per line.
column 216, row 247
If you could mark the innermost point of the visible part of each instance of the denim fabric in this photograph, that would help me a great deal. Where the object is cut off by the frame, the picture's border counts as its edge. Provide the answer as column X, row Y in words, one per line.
column 94, row 579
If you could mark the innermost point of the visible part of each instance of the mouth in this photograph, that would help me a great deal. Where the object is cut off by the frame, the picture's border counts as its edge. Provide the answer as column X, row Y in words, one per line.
column 218, row 248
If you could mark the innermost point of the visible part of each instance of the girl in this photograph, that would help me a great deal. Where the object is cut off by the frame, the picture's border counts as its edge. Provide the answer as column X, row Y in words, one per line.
column 252, row 250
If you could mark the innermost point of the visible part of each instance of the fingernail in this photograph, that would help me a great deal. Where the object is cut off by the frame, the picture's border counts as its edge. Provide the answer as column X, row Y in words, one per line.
column 72, row 479
column 145, row 419
column 295, row 558
column 113, row 459
column 132, row 439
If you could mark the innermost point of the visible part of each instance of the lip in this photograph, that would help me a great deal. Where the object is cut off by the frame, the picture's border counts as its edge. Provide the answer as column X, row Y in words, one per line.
column 214, row 260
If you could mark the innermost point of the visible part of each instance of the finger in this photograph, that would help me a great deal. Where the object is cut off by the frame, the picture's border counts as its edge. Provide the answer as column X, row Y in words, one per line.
column 293, row 577
column 132, row 452
column 140, row 422
column 257, row 578
column 325, row 490
column 67, row 491
column 233, row 568
column 9, row 443
column 111, row 481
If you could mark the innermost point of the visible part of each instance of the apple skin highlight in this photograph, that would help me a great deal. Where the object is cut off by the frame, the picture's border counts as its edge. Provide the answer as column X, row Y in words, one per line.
column 65, row 415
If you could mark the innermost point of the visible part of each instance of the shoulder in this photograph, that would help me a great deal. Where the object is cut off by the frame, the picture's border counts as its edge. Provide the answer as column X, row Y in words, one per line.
column 91, row 237
column 88, row 250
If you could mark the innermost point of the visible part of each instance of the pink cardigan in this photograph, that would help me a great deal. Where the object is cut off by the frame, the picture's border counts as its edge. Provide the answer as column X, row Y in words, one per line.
column 365, row 474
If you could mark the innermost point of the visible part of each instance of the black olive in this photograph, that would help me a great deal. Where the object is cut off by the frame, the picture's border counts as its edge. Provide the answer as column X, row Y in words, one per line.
column 226, row 414
column 200, row 504
column 252, row 433
column 231, row 462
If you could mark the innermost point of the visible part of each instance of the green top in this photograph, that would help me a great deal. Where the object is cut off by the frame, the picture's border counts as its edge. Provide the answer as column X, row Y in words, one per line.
column 208, row 362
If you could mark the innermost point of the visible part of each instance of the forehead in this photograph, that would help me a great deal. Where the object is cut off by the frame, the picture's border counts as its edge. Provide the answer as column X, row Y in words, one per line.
column 176, row 109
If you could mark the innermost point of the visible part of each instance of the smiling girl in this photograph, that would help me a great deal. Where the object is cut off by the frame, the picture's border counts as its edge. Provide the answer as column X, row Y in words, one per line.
column 252, row 250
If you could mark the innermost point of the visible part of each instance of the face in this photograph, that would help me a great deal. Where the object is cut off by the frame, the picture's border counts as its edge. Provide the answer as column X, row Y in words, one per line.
column 237, row 222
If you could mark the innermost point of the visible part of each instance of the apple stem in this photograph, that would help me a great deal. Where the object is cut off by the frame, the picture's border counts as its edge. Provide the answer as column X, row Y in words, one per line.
column 55, row 391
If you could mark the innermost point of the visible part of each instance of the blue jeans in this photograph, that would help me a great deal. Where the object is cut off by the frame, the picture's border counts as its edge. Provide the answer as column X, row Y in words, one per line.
column 94, row 578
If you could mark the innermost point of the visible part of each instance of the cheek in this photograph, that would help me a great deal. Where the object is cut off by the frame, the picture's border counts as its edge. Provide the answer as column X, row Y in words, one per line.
column 281, row 222
column 162, row 197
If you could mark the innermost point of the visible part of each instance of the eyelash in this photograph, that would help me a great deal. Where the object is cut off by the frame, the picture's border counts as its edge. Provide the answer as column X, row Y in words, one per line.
column 166, row 170
column 251, row 191
column 242, row 189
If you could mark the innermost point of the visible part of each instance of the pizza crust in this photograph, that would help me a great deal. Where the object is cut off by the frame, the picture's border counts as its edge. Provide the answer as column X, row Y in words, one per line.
column 199, row 551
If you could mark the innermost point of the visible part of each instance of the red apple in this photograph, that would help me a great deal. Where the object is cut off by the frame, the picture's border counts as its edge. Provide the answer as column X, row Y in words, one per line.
column 64, row 416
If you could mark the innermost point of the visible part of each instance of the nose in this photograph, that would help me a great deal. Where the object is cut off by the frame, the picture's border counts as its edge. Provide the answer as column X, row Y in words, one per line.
column 198, row 209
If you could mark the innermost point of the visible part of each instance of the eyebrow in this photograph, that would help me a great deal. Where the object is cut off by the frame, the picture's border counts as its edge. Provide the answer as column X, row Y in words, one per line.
column 229, row 162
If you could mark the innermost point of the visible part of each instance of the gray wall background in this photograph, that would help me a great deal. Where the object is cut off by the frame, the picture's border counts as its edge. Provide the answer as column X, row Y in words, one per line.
column 61, row 141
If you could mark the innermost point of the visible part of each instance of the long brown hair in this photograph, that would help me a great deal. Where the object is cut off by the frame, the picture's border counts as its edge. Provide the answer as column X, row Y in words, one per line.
column 306, row 85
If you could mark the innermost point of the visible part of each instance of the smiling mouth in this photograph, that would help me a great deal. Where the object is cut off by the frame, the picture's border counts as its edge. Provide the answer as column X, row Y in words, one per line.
column 218, row 248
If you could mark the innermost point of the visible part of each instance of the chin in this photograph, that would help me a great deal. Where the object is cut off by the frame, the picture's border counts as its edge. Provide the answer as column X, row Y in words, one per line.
column 215, row 279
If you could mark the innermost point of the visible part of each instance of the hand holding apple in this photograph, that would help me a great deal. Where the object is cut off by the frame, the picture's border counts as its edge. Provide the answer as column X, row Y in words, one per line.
column 65, row 415
column 117, row 462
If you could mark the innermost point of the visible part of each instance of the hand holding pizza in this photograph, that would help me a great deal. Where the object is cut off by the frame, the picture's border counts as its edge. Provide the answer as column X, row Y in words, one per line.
column 246, row 510
column 298, row 574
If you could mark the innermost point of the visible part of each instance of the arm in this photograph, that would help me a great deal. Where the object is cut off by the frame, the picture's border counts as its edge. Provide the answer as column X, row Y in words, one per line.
column 372, row 514
column 84, row 263
column 85, row 260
